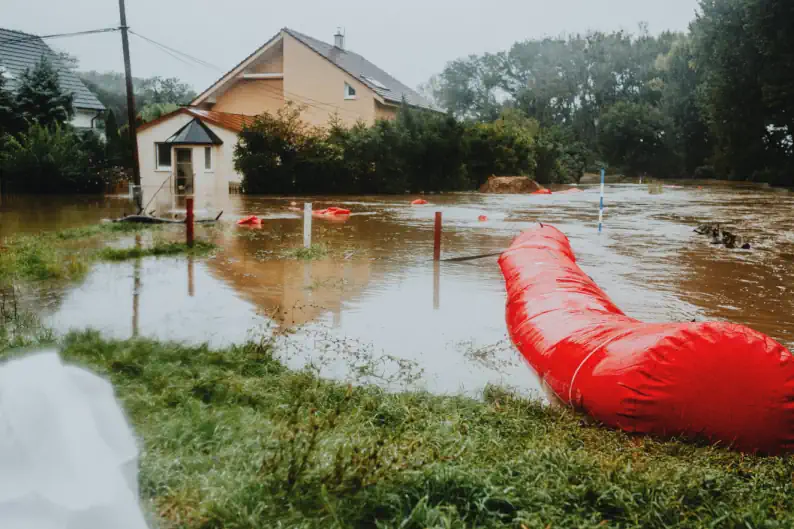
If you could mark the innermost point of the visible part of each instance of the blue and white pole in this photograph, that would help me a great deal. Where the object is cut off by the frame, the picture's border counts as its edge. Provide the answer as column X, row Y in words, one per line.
column 601, row 205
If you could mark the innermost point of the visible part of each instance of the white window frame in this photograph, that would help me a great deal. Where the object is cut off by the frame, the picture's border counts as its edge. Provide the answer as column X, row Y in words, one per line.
column 208, row 150
column 348, row 89
column 157, row 166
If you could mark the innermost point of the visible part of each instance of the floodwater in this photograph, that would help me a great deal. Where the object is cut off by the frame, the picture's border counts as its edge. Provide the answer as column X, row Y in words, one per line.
column 377, row 309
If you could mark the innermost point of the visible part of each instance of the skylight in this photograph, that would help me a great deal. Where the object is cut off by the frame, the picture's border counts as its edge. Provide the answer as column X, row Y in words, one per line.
column 375, row 82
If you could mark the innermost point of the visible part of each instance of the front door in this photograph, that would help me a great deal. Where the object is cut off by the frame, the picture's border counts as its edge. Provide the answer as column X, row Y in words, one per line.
column 183, row 183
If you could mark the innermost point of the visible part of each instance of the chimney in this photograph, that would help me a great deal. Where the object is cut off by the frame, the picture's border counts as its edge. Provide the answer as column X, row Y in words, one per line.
column 339, row 39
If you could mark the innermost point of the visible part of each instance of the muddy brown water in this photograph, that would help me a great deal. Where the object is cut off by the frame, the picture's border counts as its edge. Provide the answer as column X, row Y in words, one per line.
column 378, row 310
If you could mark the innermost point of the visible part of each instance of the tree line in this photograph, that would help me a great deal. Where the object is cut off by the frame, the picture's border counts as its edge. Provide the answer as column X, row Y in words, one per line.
column 715, row 101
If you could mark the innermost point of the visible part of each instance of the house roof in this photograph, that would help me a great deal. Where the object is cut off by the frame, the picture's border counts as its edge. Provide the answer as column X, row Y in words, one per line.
column 20, row 51
column 195, row 132
column 233, row 122
column 390, row 90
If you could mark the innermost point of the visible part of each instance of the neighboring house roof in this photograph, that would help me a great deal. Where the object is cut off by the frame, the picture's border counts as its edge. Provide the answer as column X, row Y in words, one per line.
column 194, row 133
column 390, row 88
column 20, row 51
column 233, row 122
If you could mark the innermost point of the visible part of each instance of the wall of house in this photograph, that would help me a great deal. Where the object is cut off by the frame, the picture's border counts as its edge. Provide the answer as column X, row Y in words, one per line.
column 252, row 97
column 211, row 186
column 385, row 111
column 82, row 118
column 311, row 80
column 273, row 63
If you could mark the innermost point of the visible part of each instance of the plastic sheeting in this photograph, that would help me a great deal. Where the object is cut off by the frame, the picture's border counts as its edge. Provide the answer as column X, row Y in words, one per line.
column 68, row 459
column 719, row 381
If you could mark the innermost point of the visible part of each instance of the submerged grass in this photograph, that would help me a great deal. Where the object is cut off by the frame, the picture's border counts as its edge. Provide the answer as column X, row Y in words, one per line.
column 158, row 249
column 235, row 440
column 313, row 252
column 68, row 254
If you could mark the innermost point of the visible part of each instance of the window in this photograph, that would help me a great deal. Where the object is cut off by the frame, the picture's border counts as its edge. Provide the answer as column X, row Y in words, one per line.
column 208, row 158
column 374, row 82
column 163, row 155
column 350, row 92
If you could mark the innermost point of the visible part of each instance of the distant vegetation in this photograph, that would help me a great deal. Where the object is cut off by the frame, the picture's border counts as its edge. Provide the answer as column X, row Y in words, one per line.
column 715, row 101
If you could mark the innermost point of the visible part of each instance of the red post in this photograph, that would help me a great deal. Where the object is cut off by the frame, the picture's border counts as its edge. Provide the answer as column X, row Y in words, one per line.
column 437, row 238
column 189, row 221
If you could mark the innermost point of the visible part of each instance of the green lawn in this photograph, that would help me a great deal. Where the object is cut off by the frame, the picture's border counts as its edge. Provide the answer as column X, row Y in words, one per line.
column 233, row 439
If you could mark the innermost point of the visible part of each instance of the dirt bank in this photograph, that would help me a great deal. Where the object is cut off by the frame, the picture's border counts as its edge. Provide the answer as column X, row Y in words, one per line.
column 510, row 185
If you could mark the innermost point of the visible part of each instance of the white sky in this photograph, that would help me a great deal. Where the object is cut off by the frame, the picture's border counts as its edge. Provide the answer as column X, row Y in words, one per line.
column 410, row 39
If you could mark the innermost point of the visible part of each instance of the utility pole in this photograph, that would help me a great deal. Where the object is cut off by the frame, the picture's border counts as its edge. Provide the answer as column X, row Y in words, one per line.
column 137, row 192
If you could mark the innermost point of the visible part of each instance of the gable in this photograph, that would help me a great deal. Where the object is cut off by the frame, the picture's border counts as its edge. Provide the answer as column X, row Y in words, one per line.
column 386, row 88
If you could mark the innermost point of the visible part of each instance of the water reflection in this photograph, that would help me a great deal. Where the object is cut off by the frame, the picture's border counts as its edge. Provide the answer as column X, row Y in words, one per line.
column 373, row 307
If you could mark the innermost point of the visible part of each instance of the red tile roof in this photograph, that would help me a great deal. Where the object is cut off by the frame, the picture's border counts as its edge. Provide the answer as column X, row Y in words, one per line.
column 233, row 122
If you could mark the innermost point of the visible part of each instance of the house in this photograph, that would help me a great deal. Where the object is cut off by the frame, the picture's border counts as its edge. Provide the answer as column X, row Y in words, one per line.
column 326, row 80
column 21, row 51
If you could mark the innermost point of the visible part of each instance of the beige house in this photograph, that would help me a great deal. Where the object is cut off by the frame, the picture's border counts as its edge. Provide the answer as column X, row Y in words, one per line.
column 190, row 151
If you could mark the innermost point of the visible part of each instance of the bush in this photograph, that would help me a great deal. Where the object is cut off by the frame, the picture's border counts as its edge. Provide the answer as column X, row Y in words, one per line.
column 418, row 151
column 51, row 160
column 705, row 172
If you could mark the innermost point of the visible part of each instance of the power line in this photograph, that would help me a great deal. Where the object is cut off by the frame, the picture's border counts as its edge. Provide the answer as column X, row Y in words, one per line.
column 174, row 50
column 58, row 35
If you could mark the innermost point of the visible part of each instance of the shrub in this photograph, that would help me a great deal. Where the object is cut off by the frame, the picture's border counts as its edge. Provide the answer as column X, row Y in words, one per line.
column 418, row 151
column 51, row 160
column 705, row 172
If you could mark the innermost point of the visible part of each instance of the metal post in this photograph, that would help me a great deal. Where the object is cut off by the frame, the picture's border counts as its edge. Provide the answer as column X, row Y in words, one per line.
column 601, row 204
column 136, row 170
column 437, row 238
column 307, row 225
column 189, row 221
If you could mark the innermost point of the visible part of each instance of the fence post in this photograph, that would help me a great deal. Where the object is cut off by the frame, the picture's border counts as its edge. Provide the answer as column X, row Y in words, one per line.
column 307, row 225
column 437, row 238
column 601, row 203
column 189, row 221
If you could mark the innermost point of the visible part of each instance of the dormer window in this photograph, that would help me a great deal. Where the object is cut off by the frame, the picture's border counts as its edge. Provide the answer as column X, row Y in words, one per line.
column 350, row 92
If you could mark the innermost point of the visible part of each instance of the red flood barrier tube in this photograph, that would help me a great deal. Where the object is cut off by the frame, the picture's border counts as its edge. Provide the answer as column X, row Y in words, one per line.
column 541, row 192
column 718, row 381
column 253, row 220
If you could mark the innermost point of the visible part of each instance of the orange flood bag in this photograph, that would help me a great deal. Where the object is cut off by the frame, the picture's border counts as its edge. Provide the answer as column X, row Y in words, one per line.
column 719, row 381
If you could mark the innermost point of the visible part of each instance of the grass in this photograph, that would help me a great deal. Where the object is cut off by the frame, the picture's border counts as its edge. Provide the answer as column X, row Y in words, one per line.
column 235, row 440
column 158, row 249
column 312, row 253
column 68, row 254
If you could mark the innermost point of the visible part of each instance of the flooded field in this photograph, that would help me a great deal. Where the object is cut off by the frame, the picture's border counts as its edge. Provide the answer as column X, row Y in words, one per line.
column 377, row 309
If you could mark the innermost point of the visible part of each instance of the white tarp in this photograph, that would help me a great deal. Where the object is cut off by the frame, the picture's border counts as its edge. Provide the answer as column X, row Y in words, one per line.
column 68, row 458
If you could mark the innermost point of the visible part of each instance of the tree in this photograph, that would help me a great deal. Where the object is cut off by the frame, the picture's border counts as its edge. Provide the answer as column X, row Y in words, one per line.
column 9, row 115
column 632, row 137
column 39, row 97
column 170, row 90
column 50, row 159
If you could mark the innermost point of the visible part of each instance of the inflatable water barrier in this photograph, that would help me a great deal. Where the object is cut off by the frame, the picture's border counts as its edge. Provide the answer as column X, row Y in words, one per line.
column 419, row 202
column 331, row 212
column 717, row 381
column 541, row 192
column 253, row 220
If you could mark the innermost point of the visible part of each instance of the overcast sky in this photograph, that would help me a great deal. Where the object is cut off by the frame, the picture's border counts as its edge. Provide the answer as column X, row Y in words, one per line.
column 410, row 39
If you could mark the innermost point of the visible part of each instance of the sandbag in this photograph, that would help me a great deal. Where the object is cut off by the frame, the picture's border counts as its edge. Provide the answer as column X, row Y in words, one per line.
column 718, row 381
column 68, row 459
